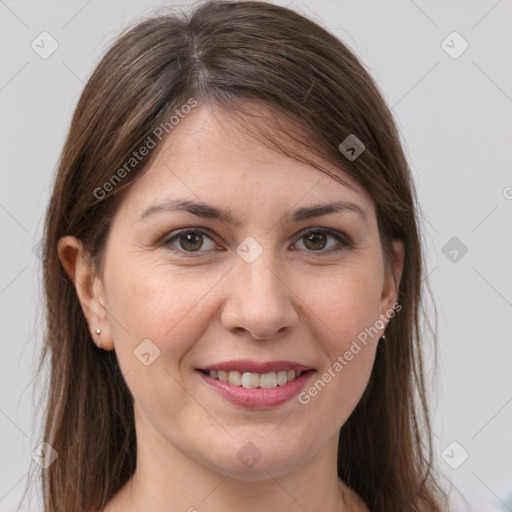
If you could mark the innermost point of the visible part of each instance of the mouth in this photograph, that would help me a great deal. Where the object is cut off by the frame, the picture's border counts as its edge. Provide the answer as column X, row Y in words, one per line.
column 254, row 385
column 251, row 380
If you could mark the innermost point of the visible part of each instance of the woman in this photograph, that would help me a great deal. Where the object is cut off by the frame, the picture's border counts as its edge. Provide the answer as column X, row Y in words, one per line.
column 232, row 273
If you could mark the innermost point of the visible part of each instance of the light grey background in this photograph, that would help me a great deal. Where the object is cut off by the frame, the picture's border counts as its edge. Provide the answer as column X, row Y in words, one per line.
column 455, row 116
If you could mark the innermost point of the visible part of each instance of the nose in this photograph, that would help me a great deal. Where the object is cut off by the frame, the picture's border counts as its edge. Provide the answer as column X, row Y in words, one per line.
column 260, row 301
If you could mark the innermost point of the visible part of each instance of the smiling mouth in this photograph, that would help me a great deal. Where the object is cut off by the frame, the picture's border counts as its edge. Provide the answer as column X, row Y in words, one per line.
column 254, row 384
column 250, row 380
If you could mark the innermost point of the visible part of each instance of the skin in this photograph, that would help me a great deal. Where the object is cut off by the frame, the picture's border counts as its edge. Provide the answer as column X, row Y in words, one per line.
column 297, row 301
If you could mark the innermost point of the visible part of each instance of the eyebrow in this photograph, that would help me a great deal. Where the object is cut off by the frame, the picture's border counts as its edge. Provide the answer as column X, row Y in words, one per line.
column 224, row 215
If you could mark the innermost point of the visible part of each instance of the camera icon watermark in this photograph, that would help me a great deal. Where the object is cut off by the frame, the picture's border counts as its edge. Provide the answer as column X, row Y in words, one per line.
column 249, row 250
column 44, row 455
column 454, row 45
column 454, row 455
column 351, row 147
column 37, row 249
column 146, row 352
column 249, row 454
column 454, row 249
column 44, row 45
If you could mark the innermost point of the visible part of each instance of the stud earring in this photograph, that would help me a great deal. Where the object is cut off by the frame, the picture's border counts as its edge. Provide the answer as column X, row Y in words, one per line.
column 98, row 331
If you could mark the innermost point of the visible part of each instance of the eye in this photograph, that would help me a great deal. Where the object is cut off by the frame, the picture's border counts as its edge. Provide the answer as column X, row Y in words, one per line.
column 313, row 240
column 317, row 240
column 190, row 240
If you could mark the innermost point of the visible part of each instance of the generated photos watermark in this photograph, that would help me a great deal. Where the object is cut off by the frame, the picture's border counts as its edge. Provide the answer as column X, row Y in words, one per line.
column 150, row 143
column 343, row 360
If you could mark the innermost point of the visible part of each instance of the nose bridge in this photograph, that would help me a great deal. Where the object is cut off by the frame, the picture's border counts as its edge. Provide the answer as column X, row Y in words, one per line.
column 257, row 271
column 258, row 300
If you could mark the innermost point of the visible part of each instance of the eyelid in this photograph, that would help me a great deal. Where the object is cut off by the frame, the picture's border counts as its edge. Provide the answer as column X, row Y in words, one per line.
column 342, row 238
column 167, row 239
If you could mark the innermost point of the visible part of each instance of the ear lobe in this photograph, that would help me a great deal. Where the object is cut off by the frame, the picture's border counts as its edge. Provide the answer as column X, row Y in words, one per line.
column 89, row 288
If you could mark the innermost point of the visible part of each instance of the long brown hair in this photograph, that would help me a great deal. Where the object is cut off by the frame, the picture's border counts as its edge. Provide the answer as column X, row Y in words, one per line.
column 229, row 54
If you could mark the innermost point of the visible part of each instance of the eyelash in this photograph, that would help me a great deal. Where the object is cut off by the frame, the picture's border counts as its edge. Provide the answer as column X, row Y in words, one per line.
column 343, row 240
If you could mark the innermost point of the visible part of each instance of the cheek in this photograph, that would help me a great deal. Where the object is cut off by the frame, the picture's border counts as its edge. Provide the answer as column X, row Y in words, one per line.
column 157, row 312
column 152, row 302
column 345, row 311
column 345, row 305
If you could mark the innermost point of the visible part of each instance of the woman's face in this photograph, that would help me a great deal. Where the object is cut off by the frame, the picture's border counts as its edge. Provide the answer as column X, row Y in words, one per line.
column 245, row 291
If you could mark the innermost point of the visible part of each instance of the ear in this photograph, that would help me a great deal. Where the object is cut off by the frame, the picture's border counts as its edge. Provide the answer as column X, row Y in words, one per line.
column 393, row 277
column 89, row 288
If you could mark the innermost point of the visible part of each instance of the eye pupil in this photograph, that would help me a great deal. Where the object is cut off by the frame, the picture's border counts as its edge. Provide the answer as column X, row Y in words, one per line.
column 191, row 241
column 316, row 238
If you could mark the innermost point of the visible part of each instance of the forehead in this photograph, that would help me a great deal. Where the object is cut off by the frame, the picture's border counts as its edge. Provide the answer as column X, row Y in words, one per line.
column 207, row 156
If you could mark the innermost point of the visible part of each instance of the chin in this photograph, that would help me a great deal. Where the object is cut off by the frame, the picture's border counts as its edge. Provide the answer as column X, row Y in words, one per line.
column 253, row 461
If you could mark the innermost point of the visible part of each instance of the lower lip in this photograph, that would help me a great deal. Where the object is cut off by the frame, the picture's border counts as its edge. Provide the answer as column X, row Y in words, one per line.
column 258, row 398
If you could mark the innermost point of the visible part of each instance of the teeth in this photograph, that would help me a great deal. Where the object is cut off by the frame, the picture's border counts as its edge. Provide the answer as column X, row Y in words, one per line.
column 250, row 380
column 255, row 380
column 282, row 377
column 268, row 380
column 235, row 378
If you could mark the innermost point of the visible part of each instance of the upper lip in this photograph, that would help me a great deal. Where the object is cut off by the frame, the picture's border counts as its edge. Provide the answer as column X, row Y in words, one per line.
column 256, row 367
